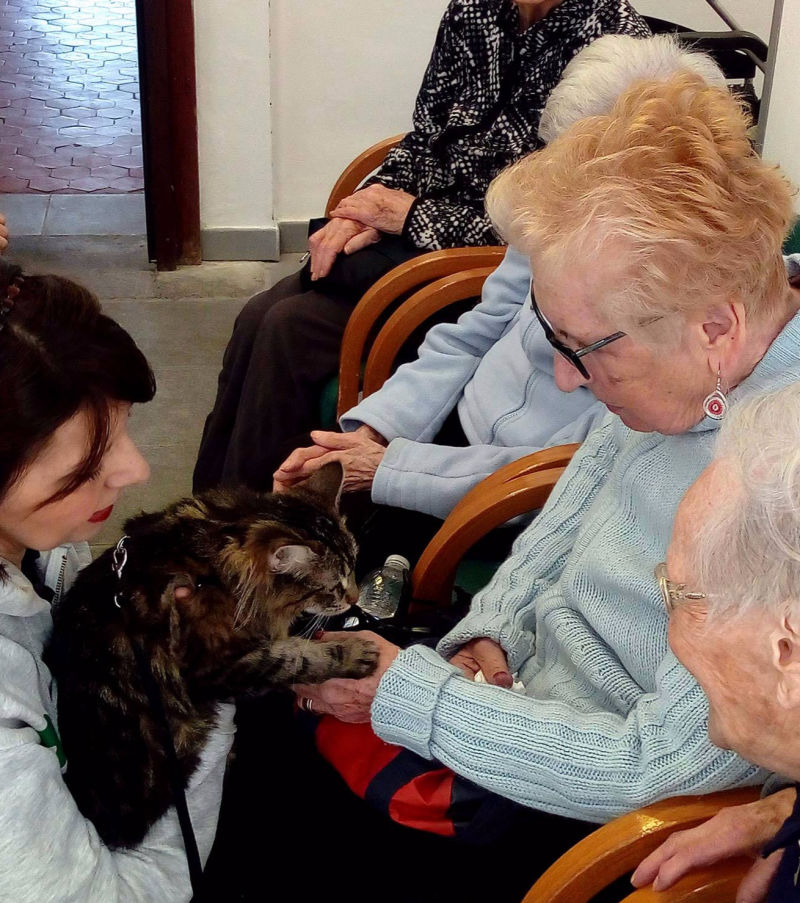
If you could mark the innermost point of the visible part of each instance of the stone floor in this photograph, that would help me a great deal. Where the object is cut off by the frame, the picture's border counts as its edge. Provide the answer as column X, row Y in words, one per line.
column 69, row 97
column 181, row 321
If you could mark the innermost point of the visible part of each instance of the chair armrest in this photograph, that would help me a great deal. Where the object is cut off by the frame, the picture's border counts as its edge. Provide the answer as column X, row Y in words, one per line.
column 387, row 291
column 556, row 456
column 364, row 165
column 521, row 486
column 618, row 847
column 717, row 884
column 479, row 512
column 412, row 313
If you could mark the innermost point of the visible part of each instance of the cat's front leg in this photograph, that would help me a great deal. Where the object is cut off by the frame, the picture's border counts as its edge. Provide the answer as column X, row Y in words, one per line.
column 348, row 656
column 279, row 663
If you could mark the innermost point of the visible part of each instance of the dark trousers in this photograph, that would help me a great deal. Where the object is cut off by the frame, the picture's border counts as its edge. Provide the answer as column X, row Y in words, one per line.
column 284, row 348
column 289, row 821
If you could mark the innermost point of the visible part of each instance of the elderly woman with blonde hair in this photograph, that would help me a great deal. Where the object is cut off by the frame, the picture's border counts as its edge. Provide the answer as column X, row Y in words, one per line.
column 654, row 234
column 731, row 587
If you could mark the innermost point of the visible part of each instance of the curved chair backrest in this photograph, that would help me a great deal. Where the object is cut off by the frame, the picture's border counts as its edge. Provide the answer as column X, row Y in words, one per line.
column 515, row 489
column 618, row 847
column 364, row 165
column 413, row 313
column 737, row 53
column 396, row 284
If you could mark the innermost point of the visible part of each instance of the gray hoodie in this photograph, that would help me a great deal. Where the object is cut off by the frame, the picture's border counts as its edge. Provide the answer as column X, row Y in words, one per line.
column 48, row 850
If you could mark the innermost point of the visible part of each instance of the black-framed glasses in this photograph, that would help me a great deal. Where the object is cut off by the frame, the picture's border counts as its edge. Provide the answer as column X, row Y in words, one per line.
column 673, row 593
column 572, row 355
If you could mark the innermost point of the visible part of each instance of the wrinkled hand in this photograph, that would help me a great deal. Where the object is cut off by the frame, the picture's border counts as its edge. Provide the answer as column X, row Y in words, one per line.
column 3, row 233
column 735, row 831
column 345, row 699
column 359, row 453
column 363, row 240
column 382, row 208
column 329, row 241
column 484, row 655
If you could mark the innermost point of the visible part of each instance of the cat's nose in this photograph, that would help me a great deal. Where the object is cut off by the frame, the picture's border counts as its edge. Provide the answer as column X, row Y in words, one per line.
column 351, row 592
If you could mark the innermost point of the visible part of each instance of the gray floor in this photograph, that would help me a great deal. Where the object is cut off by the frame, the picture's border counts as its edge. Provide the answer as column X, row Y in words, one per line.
column 180, row 320
column 74, row 214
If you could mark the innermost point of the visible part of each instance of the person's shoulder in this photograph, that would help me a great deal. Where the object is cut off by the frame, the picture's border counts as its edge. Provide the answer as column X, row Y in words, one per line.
column 473, row 12
column 621, row 18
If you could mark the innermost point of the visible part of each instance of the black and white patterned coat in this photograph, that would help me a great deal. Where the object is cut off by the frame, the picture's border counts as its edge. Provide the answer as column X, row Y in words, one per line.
column 479, row 105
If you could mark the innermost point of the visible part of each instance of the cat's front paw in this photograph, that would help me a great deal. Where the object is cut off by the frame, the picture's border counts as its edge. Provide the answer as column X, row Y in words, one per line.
column 356, row 657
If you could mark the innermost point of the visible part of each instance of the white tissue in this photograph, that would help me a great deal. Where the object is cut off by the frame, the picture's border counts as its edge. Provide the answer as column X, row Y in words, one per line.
column 518, row 686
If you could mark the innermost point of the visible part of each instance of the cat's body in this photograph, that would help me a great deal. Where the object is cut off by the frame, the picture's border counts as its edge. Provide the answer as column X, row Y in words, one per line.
column 209, row 591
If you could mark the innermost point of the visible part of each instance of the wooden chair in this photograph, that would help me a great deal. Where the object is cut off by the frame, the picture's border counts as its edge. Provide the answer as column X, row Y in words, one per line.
column 359, row 169
column 442, row 270
column 515, row 489
column 618, row 847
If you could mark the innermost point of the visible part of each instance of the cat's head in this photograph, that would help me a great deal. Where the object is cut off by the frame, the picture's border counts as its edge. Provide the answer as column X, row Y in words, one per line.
column 254, row 560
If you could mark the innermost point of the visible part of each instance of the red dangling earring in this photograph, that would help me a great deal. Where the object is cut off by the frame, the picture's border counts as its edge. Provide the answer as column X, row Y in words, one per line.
column 715, row 405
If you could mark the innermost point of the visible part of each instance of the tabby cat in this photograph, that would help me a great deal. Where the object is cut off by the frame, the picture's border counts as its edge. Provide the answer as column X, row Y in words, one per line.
column 209, row 591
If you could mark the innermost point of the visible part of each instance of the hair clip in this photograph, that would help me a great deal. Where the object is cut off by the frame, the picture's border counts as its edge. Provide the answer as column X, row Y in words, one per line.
column 7, row 303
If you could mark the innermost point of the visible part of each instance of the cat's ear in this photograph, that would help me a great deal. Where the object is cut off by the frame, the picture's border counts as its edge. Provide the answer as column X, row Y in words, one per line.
column 326, row 484
column 291, row 559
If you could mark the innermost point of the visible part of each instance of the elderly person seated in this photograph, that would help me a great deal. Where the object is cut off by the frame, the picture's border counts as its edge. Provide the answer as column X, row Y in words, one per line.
column 655, row 236
column 731, row 586
column 481, row 393
column 493, row 65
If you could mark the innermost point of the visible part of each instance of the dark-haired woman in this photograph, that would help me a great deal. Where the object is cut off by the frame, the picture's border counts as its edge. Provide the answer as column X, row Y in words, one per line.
column 493, row 66
column 69, row 376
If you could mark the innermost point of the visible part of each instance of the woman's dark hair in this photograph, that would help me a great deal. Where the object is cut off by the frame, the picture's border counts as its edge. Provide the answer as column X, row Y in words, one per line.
column 59, row 354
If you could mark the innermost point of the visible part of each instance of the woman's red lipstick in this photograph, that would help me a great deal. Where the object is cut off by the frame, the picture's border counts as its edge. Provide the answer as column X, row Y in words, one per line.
column 99, row 516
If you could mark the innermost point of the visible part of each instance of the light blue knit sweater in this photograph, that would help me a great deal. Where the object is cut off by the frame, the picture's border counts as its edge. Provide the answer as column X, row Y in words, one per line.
column 610, row 720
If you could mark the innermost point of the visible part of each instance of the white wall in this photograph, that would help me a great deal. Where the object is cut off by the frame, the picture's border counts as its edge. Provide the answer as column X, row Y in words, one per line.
column 233, row 111
column 344, row 75
column 782, row 136
column 289, row 91
column 752, row 15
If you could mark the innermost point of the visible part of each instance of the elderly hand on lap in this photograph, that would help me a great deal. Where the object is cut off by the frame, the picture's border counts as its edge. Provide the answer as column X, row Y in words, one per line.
column 382, row 208
column 337, row 236
column 3, row 233
column 360, row 453
column 351, row 700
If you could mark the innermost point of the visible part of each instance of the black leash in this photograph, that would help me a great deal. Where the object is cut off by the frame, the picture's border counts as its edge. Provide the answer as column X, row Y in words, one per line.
column 119, row 559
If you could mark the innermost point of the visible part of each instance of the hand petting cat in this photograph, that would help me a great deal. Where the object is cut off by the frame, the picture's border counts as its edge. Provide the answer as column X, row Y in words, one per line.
column 351, row 700
column 359, row 452
column 345, row 698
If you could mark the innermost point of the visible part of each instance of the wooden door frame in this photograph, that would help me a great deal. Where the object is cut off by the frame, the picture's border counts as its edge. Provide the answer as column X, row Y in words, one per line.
column 169, row 131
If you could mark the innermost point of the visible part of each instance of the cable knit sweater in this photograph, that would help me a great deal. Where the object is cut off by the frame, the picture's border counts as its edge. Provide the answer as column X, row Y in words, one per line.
column 610, row 720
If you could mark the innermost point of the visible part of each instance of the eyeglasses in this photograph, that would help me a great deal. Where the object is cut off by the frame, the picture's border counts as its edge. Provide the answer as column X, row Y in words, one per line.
column 673, row 593
column 572, row 355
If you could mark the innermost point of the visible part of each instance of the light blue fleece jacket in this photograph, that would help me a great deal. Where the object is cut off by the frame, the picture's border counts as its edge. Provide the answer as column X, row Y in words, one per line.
column 48, row 850
column 610, row 720
column 497, row 366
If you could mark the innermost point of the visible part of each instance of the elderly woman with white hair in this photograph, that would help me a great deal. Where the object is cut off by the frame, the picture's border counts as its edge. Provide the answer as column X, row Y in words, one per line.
column 655, row 235
column 481, row 392
column 731, row 587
